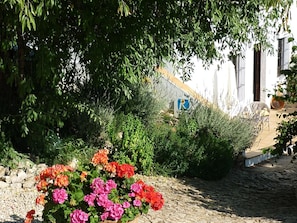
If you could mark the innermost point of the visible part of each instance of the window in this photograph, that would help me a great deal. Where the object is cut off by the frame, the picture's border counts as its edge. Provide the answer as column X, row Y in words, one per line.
column 283, row 55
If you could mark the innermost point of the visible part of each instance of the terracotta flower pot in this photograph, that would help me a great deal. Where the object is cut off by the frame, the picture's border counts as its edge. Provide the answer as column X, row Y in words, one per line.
column 277, row 103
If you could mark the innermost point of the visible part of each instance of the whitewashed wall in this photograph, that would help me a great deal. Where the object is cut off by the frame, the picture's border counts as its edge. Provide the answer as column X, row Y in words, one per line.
column 271, row 74
column 293, row 22
column 249, row 70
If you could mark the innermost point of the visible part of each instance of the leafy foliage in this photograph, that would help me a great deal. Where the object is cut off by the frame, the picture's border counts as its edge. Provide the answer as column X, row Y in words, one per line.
column 213, row 157
column 64, row 151
column 89, row 121
column 8, row 156
column 287, row 130
column 235, row 130
column 202, row 144
column 58, row 59
column 132, row 143
column 143, row 104
column 170, row 149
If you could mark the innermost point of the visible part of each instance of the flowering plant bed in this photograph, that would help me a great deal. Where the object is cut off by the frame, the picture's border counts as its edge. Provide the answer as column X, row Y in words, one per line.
column 94, row 192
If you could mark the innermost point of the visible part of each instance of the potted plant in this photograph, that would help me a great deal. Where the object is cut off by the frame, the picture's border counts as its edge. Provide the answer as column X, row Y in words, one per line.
column 100, row 191
column 277, row 100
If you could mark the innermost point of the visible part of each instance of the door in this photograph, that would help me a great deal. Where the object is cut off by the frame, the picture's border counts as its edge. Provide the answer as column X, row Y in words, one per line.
column 257, row 73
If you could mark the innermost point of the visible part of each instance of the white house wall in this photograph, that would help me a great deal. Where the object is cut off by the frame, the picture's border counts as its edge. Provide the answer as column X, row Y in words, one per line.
column 270, row 74
column 171, row 89
column 249, row 71
column 294, row 20
column 263, row 77
column 216, row 83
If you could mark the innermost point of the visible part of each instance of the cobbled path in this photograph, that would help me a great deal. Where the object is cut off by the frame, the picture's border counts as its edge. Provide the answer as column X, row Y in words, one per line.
column 264, row 193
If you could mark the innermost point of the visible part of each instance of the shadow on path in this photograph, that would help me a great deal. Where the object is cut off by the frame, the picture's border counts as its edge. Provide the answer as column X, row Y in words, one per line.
column 17, row 219
column 266, row 190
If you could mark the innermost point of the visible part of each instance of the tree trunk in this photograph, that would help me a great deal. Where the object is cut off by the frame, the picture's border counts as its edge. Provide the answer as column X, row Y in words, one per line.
column 21, row 55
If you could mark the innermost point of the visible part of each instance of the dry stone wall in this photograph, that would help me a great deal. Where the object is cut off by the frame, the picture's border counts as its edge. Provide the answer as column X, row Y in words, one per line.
column 21, row 177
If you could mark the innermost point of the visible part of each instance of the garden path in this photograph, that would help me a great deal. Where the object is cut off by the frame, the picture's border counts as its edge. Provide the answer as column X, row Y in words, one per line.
column 264, row 193
column 265, row 139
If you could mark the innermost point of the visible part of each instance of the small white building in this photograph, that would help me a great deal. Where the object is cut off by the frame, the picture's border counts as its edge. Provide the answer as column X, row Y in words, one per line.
column 248, row 78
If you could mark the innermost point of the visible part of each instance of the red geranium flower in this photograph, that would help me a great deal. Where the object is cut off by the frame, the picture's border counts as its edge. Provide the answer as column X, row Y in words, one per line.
column 29, row 216
column 125, row 170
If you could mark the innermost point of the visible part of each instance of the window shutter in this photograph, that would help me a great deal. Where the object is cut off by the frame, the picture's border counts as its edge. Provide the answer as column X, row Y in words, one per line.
column 286, row 54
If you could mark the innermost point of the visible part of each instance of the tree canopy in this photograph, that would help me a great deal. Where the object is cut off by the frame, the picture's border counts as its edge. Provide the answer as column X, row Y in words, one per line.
column 56, row 56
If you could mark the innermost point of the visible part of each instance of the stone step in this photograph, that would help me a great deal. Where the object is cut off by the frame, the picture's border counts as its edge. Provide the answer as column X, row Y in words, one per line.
column 257, row 158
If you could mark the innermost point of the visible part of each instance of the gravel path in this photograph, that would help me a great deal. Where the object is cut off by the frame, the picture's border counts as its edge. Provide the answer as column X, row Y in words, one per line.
column 265, row 194
column 14, row 204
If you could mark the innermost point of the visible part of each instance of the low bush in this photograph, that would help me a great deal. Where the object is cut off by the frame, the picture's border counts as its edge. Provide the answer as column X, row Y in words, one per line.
column 63, row 151
column 235, row 130
column 89, row 121
column 131, row 142
column 9, row 157
column 287, row 129
column 144, row 104
column 213, row 157
column 203, row 143
column 170, row 148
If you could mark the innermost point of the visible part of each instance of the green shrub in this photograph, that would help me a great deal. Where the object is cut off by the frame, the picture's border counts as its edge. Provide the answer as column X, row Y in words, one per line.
column 63, row 151
column 235, row 130
column 88, row 122
column 213, row 157
column 9, row 157
column 286, row 132
column 287, row 129
column 142, row 104
column 169, row 150
column 131, row 142
column 203, row 143
column 218, row 138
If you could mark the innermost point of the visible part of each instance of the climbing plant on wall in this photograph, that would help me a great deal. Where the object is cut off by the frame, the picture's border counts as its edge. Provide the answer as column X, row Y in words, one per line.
column 287, row 129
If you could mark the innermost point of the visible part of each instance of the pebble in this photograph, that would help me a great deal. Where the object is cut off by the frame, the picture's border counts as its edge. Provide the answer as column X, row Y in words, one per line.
column 265, row 193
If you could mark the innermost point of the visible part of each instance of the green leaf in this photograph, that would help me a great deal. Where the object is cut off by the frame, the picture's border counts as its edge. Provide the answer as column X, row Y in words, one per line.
column 290, row 39
column 51, row 219
column 32, row 20
column 123, row 8
column 78, row 195
column 25, row 130
column 39, row 8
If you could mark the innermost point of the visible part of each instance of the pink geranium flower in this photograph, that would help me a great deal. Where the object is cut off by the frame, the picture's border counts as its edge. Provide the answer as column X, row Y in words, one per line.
column 78, row 216
column 126, row 204
column 90, row 198
column 131, row 194
column 104, row 216
column 110, row 184
column 102, row 200
column 136, row 187
column 98, row 186
column 60, row 195
column 115, row 211
column 137, row 203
